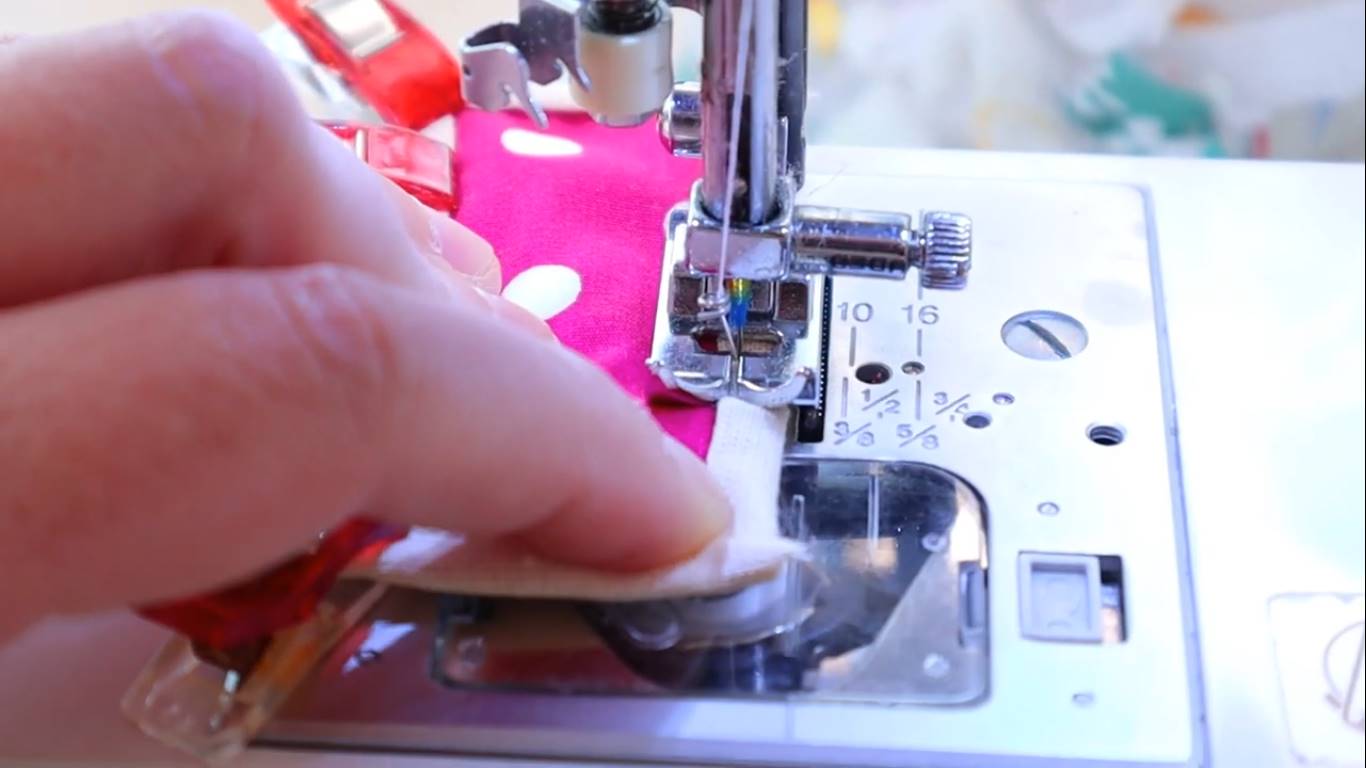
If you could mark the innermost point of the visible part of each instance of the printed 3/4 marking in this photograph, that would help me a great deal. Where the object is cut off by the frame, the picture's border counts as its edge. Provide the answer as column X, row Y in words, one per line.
column 958, row 406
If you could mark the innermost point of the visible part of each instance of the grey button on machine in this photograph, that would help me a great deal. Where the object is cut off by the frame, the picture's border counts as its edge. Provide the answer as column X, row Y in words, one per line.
column 1060, row 598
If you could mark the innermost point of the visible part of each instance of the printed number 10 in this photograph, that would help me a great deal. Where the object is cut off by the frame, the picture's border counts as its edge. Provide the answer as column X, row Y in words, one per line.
column 861, row 312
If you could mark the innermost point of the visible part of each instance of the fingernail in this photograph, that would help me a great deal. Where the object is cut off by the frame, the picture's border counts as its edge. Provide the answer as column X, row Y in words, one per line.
column 704, row 501
column 446, row 273
column 465, row 252
column 448, row 243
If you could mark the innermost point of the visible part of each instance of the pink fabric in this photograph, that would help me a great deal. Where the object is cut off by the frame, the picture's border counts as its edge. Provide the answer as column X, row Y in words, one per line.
column 600, row 213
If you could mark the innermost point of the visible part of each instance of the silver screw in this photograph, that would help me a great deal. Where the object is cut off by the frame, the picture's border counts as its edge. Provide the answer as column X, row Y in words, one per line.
column 1045, row 335
column 1049, row 509
column 935, row 666
column 934, row 542
column 653, row 626
column 470, row 652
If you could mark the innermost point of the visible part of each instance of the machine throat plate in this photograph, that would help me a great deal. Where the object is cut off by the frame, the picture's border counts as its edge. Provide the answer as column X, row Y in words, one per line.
column 1040, row 387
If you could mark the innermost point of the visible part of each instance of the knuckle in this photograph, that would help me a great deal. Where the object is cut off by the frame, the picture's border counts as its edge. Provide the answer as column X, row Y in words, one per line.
column 221, row 80
column 341, row 335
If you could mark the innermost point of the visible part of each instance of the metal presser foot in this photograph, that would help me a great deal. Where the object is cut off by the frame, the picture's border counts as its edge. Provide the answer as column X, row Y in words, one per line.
column 741, row 309
column 760, row 333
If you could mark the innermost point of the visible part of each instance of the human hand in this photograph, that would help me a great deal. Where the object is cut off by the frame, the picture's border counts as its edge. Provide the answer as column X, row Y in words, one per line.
column 220, row 334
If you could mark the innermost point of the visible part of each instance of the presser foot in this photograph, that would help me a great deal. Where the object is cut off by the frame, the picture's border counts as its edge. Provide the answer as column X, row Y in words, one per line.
column 743, row 310
column 768, row 352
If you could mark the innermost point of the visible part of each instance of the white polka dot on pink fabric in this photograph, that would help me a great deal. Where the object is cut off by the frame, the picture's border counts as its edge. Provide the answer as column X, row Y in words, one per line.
column 529, row 144
column 545, row 290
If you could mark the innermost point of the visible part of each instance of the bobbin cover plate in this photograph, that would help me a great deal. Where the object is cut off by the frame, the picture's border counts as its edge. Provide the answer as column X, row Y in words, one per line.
column 889, row 606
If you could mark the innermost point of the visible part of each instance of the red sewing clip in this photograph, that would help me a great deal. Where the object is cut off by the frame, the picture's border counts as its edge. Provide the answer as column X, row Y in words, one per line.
column 237, row 654
column 422, row 166
column 284, row 596
column 392, row 62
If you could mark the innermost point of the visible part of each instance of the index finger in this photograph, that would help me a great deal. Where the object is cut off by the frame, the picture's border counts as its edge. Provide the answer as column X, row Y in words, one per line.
column 173, row 142
column 226, row 417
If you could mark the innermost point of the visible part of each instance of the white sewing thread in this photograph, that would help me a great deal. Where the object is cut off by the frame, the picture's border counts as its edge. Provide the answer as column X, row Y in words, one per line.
column 746, row 24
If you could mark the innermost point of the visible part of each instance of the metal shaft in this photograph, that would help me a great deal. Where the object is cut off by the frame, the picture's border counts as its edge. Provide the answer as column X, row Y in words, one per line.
column 792, row 58
column 758, row 162
column 622, row 16
column 836, row 241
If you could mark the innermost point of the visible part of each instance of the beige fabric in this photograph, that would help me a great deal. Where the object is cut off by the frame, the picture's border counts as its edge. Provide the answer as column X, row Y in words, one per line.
column 746, row 458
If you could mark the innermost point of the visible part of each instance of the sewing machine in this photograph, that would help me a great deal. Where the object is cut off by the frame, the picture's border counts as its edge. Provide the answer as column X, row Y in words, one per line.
column 962, row 576
column 984, row 458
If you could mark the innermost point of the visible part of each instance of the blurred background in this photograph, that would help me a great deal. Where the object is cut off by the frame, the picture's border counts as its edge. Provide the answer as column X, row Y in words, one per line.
column 1280, row 79
column 1217, row 78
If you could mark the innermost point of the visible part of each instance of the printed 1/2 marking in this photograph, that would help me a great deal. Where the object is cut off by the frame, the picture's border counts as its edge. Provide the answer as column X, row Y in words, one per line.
column 889, row 407
column 885, row 404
